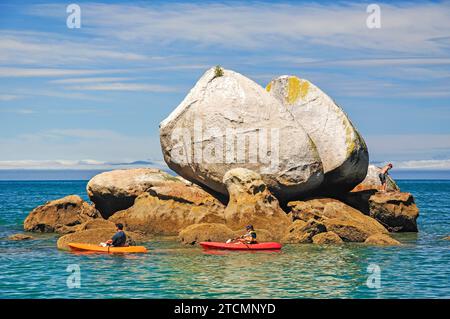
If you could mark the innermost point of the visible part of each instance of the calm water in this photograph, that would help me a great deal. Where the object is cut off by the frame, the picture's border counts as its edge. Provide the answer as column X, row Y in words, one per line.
column 36, row 269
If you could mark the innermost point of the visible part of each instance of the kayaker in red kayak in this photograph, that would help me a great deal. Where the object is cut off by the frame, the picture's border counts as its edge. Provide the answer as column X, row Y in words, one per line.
column 248, row 238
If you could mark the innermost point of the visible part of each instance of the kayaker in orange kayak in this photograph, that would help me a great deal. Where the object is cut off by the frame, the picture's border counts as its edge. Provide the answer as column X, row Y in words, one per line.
column 247, row 238
column 119, row 239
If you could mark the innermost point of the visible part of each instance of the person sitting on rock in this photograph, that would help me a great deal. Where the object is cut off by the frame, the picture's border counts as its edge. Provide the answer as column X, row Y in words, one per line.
column 383, row 176
column 119, row 239
column 249, row 237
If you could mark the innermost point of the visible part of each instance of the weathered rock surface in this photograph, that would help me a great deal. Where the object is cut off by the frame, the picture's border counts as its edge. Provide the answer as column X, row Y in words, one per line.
column 372, row 181
column 60, row 216
column 167, row 209
column 395, row 210
column 97, row 223
column 348, row 223
column 301, row 232
column 94, row 236
column 196, row 233
column 252, row 203
column 116, row 190
column 382, row 240
column 341, row 148
column 230, row 121
column 327, row 238
column 20, row 237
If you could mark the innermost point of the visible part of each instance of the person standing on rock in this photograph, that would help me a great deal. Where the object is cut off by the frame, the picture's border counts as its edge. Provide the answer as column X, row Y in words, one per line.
column 383, row 176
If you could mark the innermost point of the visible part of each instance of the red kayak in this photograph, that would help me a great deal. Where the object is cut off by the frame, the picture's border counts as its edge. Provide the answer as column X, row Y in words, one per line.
column 241, row 246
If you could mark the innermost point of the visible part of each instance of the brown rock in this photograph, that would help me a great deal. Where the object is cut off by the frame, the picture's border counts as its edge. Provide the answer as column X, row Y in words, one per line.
column 60, row 216
column 167, row 209
column 196, row 233
column 381, row 239
column 395, row 210
column 116, row 190
column 94, row 236
column 20, row 237
column 97, row 223
column 301, row 232
column 252, row 203
column 347, row 222
column 327, row 238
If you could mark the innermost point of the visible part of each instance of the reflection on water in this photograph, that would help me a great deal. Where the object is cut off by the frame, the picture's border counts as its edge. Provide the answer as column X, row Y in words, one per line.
column 418, row 269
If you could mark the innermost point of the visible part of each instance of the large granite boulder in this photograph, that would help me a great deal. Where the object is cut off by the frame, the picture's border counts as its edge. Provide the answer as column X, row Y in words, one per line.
column 341, row 148
column 397, row 211
column 168, row 208
column 196, row 233
column 348, row 223
column 372, row 181
column 252, row 203
column 64, row 215
column 94, row 237
column 228, row 121
column 116, row 190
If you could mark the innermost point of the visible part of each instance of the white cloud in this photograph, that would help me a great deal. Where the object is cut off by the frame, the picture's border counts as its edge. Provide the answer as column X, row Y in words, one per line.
column 90, row 80
column 79, row 164
column 124, row 87
column 423, row 164
column 50, row 72
column 415, row 27
column 73, row 144
column 8, row 97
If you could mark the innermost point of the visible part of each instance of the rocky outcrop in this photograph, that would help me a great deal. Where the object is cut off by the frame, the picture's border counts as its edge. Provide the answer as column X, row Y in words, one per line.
column 116, row 190
column 96, row 224
column 17, row 237
column 395, row 210
column 382, row 240
column 228, row 121
column 372, row 181
column 62, row 216
column 341, row 148
column 168, row 208
column 196, row 233
column 348, row 223
column 327, row 238
column 301, row 232
column 252, row 203
column 94, row 236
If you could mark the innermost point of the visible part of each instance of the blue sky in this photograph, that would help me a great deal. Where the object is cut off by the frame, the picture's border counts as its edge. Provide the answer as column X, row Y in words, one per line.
column 90, row 96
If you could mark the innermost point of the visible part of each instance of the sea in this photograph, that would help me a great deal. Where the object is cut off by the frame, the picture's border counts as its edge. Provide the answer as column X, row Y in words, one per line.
column 420, row 268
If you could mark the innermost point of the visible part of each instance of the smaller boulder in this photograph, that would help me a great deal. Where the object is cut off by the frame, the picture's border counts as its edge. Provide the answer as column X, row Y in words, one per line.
column 20, row 237
column 395, row 210
column 301, row 232
column 96, row 224
column 382, row 240
column 252, row 203
column 116, row 190
column 327, row 238
column 60, row 216
column 196, row 233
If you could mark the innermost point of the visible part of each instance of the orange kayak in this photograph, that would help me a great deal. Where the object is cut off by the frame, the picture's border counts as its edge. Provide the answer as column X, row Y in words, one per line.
column 97, row 248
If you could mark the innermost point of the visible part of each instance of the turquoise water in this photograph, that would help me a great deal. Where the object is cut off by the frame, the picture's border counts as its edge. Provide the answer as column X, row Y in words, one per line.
column 36, row 269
